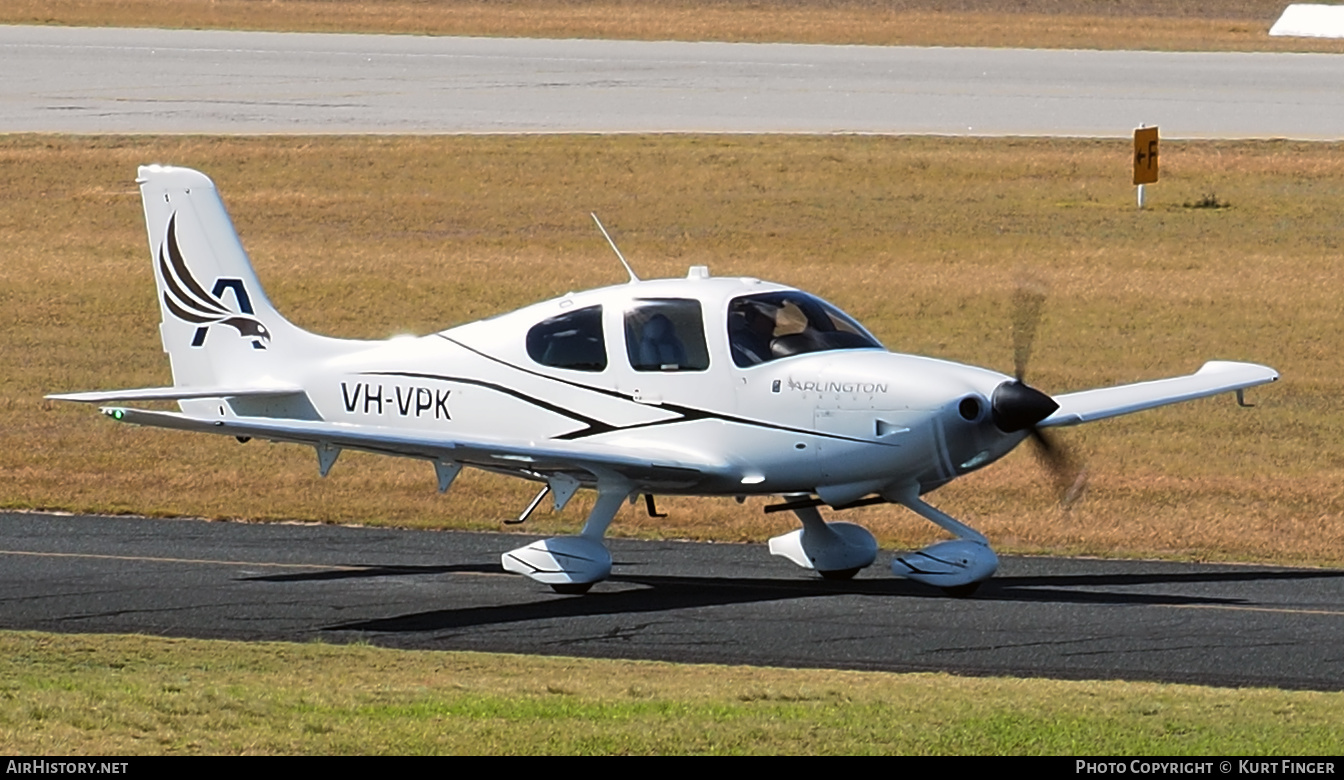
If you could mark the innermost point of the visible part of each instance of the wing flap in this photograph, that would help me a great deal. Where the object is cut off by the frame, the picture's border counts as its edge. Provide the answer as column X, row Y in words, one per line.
column 1214, row 377
column 529, row 460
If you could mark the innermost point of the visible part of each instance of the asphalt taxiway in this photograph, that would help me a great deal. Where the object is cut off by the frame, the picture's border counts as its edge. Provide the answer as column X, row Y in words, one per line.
column 675, row 601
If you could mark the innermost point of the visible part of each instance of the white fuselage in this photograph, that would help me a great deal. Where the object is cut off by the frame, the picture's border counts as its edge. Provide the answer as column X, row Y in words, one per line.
column 842, row 423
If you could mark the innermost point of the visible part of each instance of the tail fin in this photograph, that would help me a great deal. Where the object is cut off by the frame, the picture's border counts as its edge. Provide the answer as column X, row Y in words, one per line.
column 218, row 327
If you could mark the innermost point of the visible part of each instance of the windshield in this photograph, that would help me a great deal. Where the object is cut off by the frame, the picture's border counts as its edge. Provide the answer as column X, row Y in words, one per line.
column 770, row 326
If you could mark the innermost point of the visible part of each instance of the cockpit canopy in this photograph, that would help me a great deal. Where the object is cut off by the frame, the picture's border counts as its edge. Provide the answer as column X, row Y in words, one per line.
column 774, row 325
column 668, row 334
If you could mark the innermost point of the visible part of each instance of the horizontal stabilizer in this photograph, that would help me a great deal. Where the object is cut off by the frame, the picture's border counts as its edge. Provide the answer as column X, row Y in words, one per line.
column 177, row 393
column 1214, row 377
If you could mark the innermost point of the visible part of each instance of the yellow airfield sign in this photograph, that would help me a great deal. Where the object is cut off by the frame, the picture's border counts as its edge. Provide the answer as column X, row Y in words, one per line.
column 1145, row 155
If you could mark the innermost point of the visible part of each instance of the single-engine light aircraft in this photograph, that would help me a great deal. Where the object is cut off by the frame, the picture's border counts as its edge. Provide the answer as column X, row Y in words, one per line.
column 699, row 386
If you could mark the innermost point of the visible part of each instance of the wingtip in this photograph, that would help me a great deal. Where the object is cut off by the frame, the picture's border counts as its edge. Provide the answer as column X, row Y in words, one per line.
column 1262, row 372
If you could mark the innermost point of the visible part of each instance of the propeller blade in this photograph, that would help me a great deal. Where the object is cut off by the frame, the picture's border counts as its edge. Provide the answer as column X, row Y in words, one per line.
column 1017, row 406
column 1067, row 470
column 1028, row 304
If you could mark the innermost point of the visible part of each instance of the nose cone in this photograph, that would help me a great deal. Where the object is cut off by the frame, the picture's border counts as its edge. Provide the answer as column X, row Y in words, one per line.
column 1017, row 406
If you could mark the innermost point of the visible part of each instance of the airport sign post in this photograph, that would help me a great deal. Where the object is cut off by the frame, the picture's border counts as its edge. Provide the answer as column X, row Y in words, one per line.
column 1145, row 158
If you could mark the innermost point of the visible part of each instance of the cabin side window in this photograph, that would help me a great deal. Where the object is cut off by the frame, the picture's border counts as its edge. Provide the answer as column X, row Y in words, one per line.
column 572, row 340
column 666, row 334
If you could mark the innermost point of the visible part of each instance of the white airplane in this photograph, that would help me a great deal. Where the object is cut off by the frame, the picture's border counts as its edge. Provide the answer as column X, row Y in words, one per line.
column 698, row 386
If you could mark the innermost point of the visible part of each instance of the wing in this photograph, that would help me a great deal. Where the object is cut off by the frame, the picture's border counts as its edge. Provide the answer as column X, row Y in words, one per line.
column 178, row 393
column 645, row 468
column 1212, row 378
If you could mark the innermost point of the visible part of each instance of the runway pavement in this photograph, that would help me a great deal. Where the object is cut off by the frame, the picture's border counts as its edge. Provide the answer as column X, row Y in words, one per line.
column 59, row 79
column 676, row 601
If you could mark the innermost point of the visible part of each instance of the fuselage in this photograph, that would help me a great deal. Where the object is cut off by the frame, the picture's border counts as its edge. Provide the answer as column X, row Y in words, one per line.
column 667, row 367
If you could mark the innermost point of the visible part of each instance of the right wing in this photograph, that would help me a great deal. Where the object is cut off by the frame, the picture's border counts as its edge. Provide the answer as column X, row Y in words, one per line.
column 1214, row 377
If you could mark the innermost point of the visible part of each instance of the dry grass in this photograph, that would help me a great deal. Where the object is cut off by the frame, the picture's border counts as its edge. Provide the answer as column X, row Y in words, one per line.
column 921, row 238
column 1229, row 25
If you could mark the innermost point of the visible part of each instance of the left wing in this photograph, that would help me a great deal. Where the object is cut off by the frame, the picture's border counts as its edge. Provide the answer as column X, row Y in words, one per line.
column 179, row 393
column 646, row 467
column 1214, row 377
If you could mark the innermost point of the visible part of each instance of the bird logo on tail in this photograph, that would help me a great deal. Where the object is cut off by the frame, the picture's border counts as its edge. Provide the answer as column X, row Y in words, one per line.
column 188, row 300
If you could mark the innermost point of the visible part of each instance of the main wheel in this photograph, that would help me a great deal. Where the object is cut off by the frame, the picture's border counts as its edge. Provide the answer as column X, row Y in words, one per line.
column 839, row 574
column 572, row 588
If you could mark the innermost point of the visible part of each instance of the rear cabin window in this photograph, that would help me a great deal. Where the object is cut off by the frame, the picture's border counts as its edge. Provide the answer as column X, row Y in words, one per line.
column 572, row 340
column 666, row 334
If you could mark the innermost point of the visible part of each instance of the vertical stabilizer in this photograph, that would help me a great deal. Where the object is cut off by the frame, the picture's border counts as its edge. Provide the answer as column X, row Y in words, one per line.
column 218, row 326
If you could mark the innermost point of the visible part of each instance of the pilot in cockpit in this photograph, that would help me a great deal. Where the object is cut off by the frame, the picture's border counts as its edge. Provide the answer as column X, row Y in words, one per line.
column 770, row 326
column 751, row 327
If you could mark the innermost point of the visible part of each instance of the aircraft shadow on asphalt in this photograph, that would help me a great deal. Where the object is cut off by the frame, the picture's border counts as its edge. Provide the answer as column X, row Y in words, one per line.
column 638, row 594
column 356, row 571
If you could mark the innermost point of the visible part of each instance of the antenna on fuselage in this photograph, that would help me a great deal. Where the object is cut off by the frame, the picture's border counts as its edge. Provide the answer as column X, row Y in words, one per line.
column 619, row 256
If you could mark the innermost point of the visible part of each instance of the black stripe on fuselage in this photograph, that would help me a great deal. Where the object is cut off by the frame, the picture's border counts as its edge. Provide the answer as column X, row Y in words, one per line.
column 594, row 428
column 597, row 427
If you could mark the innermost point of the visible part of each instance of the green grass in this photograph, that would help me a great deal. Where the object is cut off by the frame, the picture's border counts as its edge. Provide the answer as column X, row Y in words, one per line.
column 123, row 695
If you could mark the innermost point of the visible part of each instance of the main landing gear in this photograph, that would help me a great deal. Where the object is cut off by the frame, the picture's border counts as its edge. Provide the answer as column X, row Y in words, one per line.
column 837, row 551
column 572, row 564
